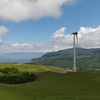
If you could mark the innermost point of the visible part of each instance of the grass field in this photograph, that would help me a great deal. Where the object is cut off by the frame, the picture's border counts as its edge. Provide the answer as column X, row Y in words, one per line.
column 55, row 86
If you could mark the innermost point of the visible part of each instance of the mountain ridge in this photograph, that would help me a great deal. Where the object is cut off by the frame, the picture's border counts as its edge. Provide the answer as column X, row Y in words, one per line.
column 87, row 59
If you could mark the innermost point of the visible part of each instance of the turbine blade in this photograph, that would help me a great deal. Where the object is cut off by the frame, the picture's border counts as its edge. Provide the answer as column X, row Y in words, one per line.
column 77, row 33
column 77, row 26
column 77, row 39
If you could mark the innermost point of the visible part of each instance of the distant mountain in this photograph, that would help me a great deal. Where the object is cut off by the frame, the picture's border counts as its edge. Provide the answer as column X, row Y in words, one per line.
column 87, row 59
column 19, row 56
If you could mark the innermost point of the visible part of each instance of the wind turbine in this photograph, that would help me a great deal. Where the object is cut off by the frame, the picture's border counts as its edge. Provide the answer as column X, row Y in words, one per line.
column 74, row 49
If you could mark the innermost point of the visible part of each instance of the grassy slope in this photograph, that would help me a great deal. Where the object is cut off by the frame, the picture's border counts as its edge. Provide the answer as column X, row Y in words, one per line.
column 29, row 67
column 55, row 86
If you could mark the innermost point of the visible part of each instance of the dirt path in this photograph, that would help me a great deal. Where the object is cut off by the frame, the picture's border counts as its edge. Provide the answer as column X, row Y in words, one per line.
column 62, row 71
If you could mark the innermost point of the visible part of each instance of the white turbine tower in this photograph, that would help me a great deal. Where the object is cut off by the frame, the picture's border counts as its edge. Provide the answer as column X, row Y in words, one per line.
column 74, row 50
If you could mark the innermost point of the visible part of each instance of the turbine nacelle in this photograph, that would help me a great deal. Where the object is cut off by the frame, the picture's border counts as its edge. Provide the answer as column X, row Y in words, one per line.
column 75, row 33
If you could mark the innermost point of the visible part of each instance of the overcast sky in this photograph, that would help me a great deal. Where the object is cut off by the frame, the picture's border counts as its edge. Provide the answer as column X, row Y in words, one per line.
column 47, row 25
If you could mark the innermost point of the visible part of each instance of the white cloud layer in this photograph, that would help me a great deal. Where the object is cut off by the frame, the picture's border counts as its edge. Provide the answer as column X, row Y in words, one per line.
column 59, row 38
column 87, row 38
column 25, row 47
column 20, row 10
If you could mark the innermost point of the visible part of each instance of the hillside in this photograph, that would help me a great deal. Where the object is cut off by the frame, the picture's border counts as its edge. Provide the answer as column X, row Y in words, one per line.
column 87, row 59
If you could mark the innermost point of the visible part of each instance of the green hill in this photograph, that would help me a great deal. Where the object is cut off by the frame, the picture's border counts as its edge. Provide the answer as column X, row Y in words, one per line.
column 87, row 59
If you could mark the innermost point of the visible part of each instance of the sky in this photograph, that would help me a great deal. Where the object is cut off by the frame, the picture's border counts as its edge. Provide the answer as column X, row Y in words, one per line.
column 47, row 25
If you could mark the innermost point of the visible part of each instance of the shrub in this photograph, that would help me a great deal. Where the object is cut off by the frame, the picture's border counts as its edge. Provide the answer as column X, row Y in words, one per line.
column 11, row 70
column 14, row 76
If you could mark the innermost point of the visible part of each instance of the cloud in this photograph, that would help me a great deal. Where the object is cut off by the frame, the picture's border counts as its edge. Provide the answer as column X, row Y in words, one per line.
column 87, row 38
column 25, row 47
column 60, row 38
column 20, row 10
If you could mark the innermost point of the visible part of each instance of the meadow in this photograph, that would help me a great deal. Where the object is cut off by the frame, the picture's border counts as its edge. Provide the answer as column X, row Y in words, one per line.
column 53, row 86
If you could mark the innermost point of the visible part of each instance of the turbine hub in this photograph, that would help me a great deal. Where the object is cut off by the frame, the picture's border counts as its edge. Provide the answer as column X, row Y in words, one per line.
column 75, row 33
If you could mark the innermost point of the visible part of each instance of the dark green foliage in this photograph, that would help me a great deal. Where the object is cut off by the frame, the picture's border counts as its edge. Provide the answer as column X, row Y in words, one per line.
column 14, row 76
column 8, row 70
column 59, row 59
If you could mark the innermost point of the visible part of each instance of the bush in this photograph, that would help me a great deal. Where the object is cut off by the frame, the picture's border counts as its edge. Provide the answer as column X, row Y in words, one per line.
column 14, row 76
column 11, row 70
